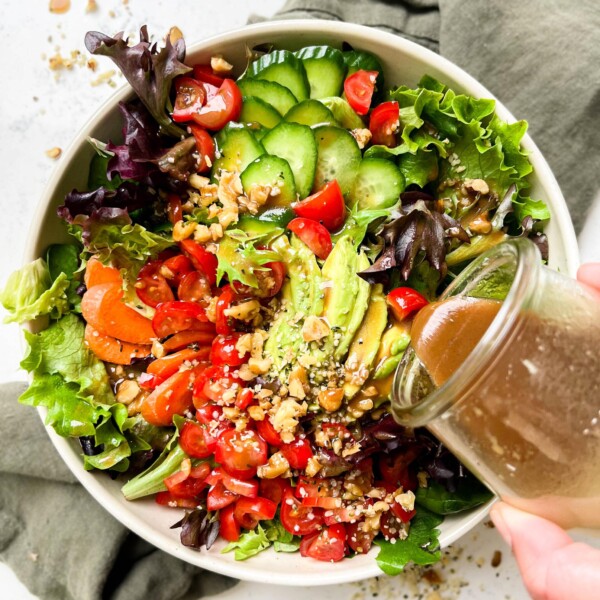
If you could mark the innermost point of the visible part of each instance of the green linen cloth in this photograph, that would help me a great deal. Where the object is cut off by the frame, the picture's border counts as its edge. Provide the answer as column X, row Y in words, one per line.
column 540, row 58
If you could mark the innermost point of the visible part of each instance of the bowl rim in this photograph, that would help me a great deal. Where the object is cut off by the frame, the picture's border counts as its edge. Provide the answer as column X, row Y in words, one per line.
column 65, row 447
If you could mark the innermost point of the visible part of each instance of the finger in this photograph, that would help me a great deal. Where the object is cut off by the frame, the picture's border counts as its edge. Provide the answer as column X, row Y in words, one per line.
column 553, row 567
column 590, row 275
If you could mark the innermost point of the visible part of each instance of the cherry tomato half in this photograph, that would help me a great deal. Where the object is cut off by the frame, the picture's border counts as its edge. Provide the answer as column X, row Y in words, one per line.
column 195, row 442
column 297, row 453
column 224, row 352
column 207, row 75
column 328, row 545
column 205, row 146
column 219, row 497
column 270, row 279
column 325, row 206
column 359, row 88
column 273, row 489
column 249, row 511
column 268, row 433
column 229, row 529
column 174, row 210
column 201, row 258
column 241, row 452
column 189, row 99
column 212, row 383
column 173, row 317
column 359, row 540
column 298, row 519
column 151, row 287
column 224, row 107
column 313, row 234
column 175, row 267
column 223, row 303
column 195, row 287
column 405, row 301
column 384, row 123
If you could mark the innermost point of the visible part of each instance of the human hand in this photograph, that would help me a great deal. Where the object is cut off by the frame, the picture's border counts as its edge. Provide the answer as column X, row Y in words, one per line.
column 589, row 274
column 552, row 565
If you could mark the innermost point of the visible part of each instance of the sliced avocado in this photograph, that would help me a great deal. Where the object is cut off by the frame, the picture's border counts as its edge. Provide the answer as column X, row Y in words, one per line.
column 366, row 342
column 359, row 308
column 301, row 295
column 394, row 342
column 339, row 273
column 285, row 337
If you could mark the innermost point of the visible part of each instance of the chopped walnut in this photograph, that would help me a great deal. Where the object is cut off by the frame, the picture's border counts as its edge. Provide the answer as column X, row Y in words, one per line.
column 127, row 391
column 362, row 137
column 246, row 311
column 54, row 152
column 478, row 186
column 219, row 65
column 182, row 231
column 331, row 400
column 257, row 196
column 211, row 310
column 276, row 467
column 246, row 373
column 422, row 477
column 158, row 350
column 256, row 413
column 406, row 500
column 313, row 467
column 285, row 415
column 359, row 406
column 314, row 329
column 481, row 224
column 260, row 366
column 230, row 187
column 198, row 182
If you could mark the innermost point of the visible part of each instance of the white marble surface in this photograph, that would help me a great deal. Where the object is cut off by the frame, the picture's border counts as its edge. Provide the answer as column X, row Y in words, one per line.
column 40, row 109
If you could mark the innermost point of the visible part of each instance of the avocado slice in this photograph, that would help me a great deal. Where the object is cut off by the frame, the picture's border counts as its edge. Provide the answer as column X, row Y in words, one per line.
column 394, row 342
column 366, row 342
column 359, row 308
column 301, row 295
column 341, row 284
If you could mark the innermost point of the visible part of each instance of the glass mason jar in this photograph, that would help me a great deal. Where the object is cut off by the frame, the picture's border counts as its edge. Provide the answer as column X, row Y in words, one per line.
column 523, row 410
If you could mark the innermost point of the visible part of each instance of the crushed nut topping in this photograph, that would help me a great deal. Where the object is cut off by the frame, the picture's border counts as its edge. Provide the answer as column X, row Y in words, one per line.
column 314, row 328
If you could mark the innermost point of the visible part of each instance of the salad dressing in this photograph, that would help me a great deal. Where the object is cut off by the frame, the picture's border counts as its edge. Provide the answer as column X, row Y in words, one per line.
column 511, row 420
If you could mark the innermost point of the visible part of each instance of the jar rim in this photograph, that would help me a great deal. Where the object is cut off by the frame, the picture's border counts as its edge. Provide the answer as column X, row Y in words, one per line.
column 528, row 264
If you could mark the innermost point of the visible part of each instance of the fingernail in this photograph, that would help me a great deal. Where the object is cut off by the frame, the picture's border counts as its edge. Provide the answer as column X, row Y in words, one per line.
column 500, row 523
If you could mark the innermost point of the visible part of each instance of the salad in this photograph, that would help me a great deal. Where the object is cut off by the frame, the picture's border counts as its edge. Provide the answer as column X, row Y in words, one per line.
column 222, row 332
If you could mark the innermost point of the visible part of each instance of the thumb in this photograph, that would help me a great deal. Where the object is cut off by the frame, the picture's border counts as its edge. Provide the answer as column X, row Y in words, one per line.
column 552, row 565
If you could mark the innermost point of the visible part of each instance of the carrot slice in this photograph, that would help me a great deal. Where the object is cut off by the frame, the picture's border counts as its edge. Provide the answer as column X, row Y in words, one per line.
column 167, row 365
column 113, row 350
column 171, row 397
column 185, row 338
column 102, row 308
column 97, row 273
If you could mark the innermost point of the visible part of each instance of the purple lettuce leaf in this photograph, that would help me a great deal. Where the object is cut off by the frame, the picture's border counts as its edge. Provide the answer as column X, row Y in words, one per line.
column 420, row 230
column 149, row 71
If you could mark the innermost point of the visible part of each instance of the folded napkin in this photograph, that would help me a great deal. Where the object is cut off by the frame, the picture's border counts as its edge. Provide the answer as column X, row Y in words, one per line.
column 540, row 58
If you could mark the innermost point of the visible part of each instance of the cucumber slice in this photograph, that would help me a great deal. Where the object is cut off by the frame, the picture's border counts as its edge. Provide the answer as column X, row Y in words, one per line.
column 278, row 96
column 275, row 172
column 238, row 148
column 271, row 221
column 324, row 68
column 338, row 157
column 310, row 112
column 342, row 112
column 255, row 110
column 378, row 184
column 296, row 144
column 282, row 67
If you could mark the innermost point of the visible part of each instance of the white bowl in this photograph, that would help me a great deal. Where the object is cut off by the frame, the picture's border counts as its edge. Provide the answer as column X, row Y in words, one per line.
column 404, row 63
